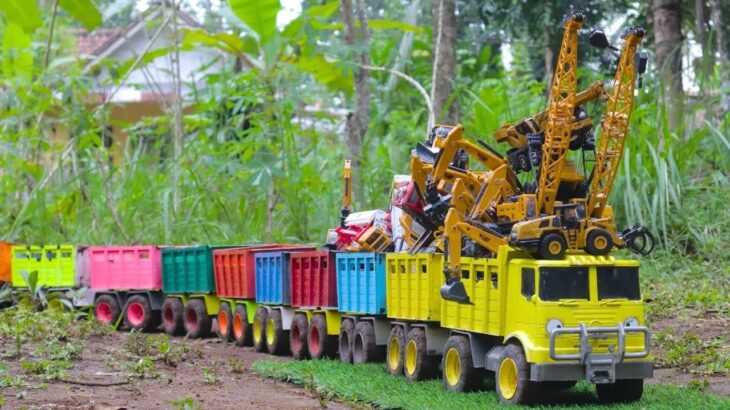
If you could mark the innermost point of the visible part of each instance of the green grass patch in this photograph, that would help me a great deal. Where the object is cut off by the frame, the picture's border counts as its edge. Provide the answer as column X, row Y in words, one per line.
column 371, row 385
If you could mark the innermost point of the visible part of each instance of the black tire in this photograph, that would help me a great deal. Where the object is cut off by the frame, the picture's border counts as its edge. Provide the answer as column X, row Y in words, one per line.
column 107, row 310
column 173, row 313
column 277, row 339
column 198, row 324
column 418, row 364
column 259, row 329
column 622, row 391
column 552, row 246
column 599, row 242
column 242, row 331
column 394, row 351
column 364, row 348
column 512, row 379
column 138, row 314
column 298, row 337
column 319, row 343
column 459, row 373
column 224, row 321
column 347, row 336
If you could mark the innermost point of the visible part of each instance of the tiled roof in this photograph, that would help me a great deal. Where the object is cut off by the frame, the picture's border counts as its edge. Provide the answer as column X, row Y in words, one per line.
column 91, row 43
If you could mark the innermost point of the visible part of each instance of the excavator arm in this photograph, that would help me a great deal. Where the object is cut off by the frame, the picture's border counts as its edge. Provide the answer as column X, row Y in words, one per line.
column 346, row 193
column 516, row 134
column 615, row 124
column 560, row 115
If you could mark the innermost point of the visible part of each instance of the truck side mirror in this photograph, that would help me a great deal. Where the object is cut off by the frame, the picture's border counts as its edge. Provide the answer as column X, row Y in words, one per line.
column 597, row 38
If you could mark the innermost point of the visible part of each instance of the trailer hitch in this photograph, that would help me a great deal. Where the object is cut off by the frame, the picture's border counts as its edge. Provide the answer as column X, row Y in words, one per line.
column 638, row 239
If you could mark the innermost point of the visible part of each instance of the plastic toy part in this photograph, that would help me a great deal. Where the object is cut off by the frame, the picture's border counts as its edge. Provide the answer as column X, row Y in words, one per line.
column 55, row 265
column 361, row 283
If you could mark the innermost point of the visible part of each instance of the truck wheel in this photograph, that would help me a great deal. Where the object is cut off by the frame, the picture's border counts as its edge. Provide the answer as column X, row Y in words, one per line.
column 347, row 336
column 598, row 242
column 225, row 322
column 259, row 329
column 394, row 353
column 138, row 313
column 552, row 246
column 418, row 364
column 197, row 322
column 106, row 309
column 242, row 330
column 621, row 391
column 277, row 341
column 172, row 316
column 320, row 344
column 298, row 337
column 364, row 349
column 513, row 377
column 458, row 367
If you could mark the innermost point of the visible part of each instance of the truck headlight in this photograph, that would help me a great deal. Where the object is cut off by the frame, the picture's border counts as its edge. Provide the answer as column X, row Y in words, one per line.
column 513, row 236
column 631, row 322
column 553, row 324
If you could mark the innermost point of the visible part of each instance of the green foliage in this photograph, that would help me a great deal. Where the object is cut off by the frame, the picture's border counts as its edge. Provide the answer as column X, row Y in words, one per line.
column 24, row 13
column 185, row 404
column 259, row 16
column 370, row 385
column 83, row 10
column 691, row 353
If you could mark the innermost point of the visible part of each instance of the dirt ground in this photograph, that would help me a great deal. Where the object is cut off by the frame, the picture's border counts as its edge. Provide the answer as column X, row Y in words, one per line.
column 225, row 388
column 215, row 375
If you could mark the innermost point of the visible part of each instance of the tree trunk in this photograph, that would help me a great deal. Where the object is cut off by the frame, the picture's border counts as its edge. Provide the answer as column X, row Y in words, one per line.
column 357, row 122
column 549, row 57
column 406, row 44
column 723, row 63
column 444, row 61
column 707, row 61
column 667, row 19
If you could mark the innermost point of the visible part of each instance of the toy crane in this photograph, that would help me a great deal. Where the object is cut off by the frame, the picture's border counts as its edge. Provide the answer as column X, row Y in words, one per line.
column 346, row 193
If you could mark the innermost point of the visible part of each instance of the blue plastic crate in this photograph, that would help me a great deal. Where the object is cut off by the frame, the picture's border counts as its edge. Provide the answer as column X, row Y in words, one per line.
column 272, row 277
column 361, row 283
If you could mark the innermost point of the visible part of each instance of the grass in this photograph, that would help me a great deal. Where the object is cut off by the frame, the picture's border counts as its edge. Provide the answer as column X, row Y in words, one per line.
column 372, row 386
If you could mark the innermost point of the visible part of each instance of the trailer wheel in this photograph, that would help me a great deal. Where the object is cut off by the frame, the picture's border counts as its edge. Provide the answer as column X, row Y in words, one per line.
column 242, row 330
column 621, row 391
column 259, row 330
column 106, row 309
column 364, row 349
column 138, row 313
column 512, row 378
column 458, row 367
column 225, row 322
column 347, row 336
column 394, row 352
column 298, row 337
column 320, row 343
column 172, row 316
column 418, row 364
column 552, row 246
column 599, row 242
column 197, row 322
column 277, row 341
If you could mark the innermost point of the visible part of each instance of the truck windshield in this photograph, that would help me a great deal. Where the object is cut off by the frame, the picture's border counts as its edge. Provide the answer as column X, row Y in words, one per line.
column 563, row 283
column 618, row 283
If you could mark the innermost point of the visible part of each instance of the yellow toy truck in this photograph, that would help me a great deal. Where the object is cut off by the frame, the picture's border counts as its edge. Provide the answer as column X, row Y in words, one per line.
column 535, row 324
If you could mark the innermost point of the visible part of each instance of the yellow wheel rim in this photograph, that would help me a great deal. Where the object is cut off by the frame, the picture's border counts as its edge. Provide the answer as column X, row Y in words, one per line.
column 555, row 247
column 600, row 243
column 256, row 330
column 270, row 333
column 411, row 357
column 508, row 378
column 393, row 354
column 452, row 367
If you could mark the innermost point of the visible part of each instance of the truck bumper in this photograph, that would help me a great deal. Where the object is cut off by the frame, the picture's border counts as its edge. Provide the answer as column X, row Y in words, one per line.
column 540, row 372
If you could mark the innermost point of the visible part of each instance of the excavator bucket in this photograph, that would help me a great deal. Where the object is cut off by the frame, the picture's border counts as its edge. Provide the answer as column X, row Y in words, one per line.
column 453, row 291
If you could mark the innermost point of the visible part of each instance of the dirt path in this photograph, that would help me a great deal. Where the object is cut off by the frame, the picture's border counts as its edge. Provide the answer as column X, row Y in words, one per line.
column 230, row 384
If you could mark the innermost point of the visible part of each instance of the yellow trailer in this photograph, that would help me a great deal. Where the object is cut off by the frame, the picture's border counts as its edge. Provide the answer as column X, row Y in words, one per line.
column 531, row 322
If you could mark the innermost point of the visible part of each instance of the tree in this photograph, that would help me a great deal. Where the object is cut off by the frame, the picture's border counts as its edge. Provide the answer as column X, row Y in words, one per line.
column 357, row 121
column 444, row 61
column 667, row 21
column 724, row 60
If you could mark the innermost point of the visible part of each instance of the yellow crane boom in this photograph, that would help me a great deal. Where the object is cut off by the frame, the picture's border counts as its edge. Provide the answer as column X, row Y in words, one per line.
column 615, row 124
column 560, row 115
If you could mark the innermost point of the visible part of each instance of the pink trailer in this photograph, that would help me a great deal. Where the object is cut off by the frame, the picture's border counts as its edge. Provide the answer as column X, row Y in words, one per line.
column 127, row 281
column 125, row 267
